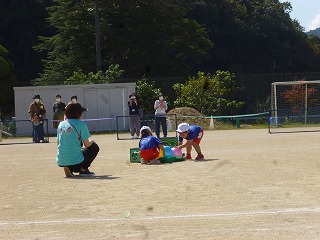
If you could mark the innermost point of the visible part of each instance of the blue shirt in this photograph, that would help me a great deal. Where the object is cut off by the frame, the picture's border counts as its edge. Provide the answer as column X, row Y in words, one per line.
column 69, row 148
column 149, row 142
column 193, row 133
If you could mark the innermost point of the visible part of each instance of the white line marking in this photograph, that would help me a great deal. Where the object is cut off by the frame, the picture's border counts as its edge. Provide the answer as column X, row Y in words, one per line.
column 207, row 215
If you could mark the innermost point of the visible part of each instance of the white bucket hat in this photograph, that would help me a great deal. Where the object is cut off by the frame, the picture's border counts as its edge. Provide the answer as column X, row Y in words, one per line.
column 183, row 127
column 145, row 128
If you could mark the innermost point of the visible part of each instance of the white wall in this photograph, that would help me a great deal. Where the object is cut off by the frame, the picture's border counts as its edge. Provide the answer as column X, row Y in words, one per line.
column 102, row 100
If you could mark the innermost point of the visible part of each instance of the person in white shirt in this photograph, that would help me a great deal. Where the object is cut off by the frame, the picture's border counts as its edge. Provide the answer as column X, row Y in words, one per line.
column 161, row 107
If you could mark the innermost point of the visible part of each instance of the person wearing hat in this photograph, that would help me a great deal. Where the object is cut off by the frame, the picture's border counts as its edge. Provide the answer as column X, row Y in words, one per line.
column 134, row 112
column 71, row 135
column 161, row 106
column 37, row 113
column 58, row 111
column 193, row 134
column 149, row 146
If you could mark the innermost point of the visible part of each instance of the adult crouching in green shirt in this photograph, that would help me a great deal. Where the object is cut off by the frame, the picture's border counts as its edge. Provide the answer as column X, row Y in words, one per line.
column 71, row 133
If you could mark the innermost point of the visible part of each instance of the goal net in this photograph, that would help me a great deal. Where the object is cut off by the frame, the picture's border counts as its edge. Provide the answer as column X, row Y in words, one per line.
column 295, row 104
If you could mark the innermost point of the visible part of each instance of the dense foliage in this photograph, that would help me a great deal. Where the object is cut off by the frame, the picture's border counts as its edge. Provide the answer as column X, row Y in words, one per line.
column 147, row 93
column 143, row 37
column 155, row 39
column 8, row 79
column 21, row 22
column 209, row 94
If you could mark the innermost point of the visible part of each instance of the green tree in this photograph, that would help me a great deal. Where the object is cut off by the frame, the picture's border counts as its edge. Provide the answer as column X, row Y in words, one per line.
column 146, row 37
column 8, row 80
column 250, row 35
column 21, row 22
column 209, row 94
column 78, row 77
column 73, row 47
column 147, row 93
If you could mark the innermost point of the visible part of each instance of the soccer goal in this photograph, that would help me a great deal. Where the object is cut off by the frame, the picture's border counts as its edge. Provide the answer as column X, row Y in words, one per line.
column 295, row 104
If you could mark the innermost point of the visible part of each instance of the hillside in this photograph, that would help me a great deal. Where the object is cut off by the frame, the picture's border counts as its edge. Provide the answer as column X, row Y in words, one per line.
column 314, row 32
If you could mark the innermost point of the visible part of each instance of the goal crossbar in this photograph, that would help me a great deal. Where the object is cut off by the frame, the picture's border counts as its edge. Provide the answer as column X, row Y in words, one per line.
column 296, row 82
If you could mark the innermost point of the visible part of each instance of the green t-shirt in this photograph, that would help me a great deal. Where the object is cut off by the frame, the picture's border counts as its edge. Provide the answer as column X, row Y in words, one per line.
column 69, row 148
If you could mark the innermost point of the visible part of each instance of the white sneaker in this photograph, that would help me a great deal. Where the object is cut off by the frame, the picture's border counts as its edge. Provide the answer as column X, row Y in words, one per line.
column 136, row 136
column 143, row 161
column 132, row 137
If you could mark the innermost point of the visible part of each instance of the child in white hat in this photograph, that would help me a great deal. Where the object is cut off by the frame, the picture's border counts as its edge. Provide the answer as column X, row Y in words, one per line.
column 193, row 134
column 150, row 146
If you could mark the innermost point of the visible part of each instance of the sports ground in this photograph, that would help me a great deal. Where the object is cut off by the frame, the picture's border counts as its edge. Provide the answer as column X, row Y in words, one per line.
column 253, row 185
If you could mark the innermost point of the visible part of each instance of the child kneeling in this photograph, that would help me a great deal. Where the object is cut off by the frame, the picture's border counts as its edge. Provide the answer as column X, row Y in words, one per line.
column 149, row 146
column 71, row 133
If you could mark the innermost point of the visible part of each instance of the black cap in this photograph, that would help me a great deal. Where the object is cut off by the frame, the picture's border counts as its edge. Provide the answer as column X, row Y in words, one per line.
column 37, row 96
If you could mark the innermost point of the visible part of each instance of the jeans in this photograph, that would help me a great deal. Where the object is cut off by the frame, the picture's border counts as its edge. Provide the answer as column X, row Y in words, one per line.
column 163, row 121
column 38, row 133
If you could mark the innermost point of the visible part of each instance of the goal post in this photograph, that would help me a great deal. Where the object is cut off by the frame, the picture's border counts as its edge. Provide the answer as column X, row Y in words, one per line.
column 295, row 104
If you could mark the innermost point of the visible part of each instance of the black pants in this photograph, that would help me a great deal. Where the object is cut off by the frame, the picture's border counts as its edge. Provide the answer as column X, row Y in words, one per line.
column 89, row 154
column 163, row 122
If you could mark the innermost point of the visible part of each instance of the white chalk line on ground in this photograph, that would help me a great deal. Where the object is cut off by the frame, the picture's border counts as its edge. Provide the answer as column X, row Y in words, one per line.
column 207, row 215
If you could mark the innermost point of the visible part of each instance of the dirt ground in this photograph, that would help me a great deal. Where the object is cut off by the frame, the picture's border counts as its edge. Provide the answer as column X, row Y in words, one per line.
column 253, row 185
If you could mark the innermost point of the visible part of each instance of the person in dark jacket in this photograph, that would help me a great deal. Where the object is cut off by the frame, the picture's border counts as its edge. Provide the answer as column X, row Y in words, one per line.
column 134, row 109
column 37, row 113
column 58, row 111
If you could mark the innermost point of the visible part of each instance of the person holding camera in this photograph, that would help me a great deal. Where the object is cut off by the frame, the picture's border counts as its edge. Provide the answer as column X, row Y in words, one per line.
column 161, row 106
column 37, row 113
column 134, row 113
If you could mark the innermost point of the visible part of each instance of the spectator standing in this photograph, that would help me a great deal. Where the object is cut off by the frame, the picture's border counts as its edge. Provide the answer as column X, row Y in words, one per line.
column 74, row 99
column 37, row 113
column 58, row 111
column 161, row 107
column 134, row 113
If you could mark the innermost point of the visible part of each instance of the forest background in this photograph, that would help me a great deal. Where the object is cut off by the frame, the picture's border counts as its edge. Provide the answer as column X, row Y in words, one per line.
column 167, row 45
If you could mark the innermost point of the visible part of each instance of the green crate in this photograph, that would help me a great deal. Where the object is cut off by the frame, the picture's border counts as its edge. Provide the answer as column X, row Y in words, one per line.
column 135, row 155
column 135, row 152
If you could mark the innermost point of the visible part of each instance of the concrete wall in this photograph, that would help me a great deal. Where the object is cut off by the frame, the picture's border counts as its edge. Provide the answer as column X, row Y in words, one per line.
column 102, row 101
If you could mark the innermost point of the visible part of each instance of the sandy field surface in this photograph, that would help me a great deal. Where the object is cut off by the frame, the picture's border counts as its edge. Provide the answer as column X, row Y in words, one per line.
column 252, row 185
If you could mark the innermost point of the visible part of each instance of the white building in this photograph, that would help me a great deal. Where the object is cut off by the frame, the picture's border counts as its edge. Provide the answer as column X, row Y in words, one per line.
column 104, row 101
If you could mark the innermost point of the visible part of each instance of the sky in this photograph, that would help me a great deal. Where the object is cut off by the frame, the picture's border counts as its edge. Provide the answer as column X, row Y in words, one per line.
column 307, row 12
